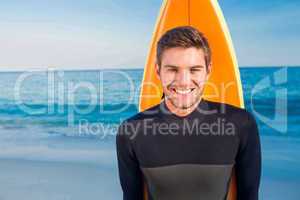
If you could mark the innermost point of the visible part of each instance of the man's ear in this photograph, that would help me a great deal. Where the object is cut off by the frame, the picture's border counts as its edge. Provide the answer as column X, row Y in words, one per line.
column 157, row 69
column 208, row 71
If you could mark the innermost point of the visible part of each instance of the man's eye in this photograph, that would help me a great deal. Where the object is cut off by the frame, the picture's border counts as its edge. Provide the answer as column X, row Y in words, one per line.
column 195, row 70
column 172, row 70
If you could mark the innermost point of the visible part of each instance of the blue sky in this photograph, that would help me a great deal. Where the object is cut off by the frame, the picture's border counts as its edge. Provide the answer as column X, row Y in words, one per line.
column 116, row 33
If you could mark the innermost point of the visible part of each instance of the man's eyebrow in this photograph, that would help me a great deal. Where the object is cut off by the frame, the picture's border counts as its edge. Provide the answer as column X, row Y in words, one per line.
column 196, row 66
column 171, row 66
column 191, row 67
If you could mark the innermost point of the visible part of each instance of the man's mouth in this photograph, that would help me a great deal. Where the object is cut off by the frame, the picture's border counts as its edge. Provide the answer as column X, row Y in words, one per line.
column 182, row 91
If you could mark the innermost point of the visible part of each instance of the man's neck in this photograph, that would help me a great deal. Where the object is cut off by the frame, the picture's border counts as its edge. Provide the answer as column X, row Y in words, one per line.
column 181, row 112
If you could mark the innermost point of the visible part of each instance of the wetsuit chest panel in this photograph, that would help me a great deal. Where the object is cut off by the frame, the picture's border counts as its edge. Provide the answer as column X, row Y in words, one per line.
column 188, row 181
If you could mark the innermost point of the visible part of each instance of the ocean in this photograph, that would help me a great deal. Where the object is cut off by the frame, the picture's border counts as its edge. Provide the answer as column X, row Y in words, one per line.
column 72, row 117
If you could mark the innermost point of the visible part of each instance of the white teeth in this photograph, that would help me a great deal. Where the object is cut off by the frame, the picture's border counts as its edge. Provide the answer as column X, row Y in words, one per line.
column 183, row 91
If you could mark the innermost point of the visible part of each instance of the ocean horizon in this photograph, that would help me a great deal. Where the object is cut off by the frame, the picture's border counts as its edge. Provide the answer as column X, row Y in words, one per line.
column 67, row 120
column 96, row 68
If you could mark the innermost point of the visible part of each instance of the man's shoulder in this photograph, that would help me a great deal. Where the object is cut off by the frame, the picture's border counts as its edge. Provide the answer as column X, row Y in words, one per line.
column 132, row 126
column 148, row 114
column 240, row 117
column 224, row 108
column 230, row 111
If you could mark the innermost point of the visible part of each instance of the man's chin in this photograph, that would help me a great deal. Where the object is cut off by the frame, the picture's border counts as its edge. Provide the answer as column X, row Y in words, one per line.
column 183, row 106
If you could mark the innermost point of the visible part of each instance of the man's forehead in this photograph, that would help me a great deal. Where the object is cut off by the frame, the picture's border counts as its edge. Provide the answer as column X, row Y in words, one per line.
column 184, row 50
column 183, row 53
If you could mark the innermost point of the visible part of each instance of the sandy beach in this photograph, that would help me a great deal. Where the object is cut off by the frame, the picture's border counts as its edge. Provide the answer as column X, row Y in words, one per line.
column 43, row 180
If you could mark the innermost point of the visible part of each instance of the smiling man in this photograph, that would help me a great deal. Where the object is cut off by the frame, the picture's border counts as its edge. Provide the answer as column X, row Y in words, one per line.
column 186, row 147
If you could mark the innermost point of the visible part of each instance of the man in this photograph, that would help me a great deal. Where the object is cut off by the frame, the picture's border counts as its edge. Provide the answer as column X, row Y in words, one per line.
column 186, row 147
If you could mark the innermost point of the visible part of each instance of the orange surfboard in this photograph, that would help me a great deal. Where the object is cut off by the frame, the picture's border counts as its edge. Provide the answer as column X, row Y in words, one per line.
column 224, row 84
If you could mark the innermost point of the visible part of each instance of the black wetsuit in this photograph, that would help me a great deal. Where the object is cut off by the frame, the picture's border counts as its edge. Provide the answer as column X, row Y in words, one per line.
column 191, row 157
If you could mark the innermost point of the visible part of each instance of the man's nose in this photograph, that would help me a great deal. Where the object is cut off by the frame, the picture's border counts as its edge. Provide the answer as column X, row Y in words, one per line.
column 183, row 77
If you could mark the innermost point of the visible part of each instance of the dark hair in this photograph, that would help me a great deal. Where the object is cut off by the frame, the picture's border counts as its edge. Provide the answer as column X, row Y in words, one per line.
column 185, row 37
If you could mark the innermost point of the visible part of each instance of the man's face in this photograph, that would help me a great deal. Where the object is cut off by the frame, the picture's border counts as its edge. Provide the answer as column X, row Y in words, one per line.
column 183, row 74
